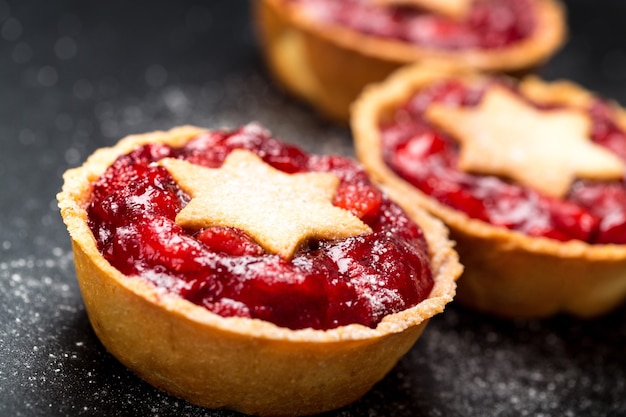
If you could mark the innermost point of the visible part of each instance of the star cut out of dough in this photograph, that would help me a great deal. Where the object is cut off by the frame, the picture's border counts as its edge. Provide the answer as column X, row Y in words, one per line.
column 456, row 9
column 542, row 149
column 279, row 210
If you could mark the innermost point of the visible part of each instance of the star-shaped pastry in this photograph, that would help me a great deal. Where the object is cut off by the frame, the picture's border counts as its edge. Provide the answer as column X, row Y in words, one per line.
column 455, row 9
column 542, row 149
column 279, row 210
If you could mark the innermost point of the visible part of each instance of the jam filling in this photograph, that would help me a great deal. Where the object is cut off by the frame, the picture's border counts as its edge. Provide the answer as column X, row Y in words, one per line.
column 490, row 24
column 593, row 211
column 326, row 284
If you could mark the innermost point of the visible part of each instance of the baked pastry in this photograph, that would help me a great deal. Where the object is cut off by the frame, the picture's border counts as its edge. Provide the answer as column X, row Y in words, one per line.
column 528, row 176
column 239, row 272
column 326, row 51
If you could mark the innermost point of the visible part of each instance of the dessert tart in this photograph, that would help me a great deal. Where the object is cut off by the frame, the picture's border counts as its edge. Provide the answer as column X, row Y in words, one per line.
column 236, row 271
column 528, row 175
column 326, row 51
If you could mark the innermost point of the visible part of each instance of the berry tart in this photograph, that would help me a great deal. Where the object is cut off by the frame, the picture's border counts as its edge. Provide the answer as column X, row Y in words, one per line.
column 236, row 271
column 326, row 51
column 528, row 175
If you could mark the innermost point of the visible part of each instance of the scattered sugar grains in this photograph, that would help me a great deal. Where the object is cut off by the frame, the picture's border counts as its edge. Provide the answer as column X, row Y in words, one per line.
column 39, row 302
column 240, row 99
column 502, row 370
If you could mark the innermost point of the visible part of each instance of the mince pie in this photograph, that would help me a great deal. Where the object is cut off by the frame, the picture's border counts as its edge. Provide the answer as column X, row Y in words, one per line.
column 326, row 51
column 528, row 175
column 237, row 271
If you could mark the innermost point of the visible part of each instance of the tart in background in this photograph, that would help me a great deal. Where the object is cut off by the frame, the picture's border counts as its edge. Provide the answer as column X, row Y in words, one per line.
column 538, row 231
column 326, row 51
column 167, row 328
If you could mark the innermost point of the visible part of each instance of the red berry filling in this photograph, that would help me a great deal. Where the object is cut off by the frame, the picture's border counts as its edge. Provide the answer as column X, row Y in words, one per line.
column 325, row 285
column 594, row 212
column 490, row 24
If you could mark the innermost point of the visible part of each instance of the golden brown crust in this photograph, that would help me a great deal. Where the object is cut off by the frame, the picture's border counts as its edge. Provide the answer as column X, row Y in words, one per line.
column 242, row 364
column 506, row 272
column 328, row 65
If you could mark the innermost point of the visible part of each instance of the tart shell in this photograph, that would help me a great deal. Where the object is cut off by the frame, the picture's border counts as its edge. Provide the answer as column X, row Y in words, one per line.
column 247, row 365
column 506, row 272
column 328, row 65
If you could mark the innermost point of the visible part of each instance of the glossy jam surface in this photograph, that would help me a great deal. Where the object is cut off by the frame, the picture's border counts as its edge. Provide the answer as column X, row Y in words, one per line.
column 325, row 285
column 594, row 212
column 490, row 24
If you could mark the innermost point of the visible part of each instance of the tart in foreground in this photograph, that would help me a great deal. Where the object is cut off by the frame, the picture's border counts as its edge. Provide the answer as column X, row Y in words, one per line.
column 297, row 305
column 326, row 51
column 528, row 176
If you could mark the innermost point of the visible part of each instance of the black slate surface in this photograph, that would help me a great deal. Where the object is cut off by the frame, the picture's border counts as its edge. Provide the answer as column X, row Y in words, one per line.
column 78, row 75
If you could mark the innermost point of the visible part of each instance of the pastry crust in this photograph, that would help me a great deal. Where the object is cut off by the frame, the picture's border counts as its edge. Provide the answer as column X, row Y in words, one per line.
column 328, row 65
column 242, row 364
column 507, row 273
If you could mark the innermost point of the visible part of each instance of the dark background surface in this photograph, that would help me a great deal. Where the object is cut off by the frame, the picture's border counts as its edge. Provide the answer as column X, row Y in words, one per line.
column 77, row 75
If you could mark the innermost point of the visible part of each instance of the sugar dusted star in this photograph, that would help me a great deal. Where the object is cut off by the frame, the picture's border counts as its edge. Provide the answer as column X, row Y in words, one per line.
column 542, row 149
column 280, row 211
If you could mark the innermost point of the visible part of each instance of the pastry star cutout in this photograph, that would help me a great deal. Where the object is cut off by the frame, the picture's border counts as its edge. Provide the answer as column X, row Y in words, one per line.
column 455, row 9
column 544, row 150
column 280, row 211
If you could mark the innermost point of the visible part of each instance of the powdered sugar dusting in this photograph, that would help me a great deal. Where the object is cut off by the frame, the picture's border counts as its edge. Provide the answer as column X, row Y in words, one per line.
column 240, row 99
column 37, row 305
